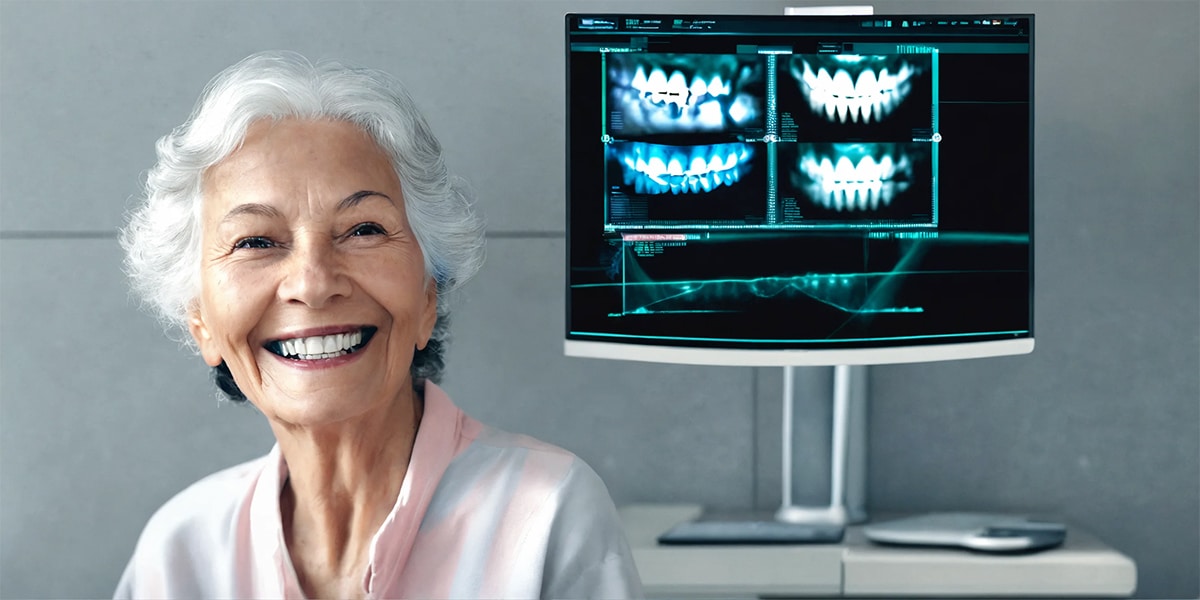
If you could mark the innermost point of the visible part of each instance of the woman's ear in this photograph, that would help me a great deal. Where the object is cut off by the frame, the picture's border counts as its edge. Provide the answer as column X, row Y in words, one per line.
column 204, row 338
column 429, row 314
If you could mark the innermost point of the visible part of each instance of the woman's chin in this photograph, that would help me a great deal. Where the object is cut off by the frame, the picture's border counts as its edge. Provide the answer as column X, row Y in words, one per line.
column 328, row 391
column 316, row 408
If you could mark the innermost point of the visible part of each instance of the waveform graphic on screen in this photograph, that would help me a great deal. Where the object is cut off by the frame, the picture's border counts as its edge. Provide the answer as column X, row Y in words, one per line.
column 854, row 87
column 851, row 293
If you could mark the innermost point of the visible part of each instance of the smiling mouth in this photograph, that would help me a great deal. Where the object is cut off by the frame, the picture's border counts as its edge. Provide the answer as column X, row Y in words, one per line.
column 321, row 347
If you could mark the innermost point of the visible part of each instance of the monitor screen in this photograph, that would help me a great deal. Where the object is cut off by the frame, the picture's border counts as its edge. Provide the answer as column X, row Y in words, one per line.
column 794, row 190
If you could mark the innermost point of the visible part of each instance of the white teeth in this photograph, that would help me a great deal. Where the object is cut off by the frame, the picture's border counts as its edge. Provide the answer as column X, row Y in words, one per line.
column 656, row 82
column 322, row 346
column 672, row 100
column 731, row 161
column 674, row 88
column 677, row 89
column 871, row 98
column 683, row 169
column 656, row 165
column 855, row 187
column 716, row 87
column 741, row 110
column 709, row 113
column 862, row 104
column 639, row 80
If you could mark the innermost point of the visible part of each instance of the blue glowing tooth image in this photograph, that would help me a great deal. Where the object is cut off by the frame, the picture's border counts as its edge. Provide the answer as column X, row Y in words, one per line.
column 661, row 169
column 854, row 88
column 853, row 177
column 676, row 93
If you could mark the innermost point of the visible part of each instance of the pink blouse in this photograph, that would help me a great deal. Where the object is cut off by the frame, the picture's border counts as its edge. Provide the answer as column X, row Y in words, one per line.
column 481, row 514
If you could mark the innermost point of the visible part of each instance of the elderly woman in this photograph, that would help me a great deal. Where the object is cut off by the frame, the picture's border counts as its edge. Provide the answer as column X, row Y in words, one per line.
column 302, row 227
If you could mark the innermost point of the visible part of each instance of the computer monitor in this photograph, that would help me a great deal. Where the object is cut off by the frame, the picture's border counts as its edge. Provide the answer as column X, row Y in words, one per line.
column 783, row 190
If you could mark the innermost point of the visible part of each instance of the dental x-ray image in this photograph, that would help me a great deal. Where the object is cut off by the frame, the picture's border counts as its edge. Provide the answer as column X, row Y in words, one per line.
column 877, row 97
column 662, row 169
column 858, row 182
column 684, row 93
column 693, row 183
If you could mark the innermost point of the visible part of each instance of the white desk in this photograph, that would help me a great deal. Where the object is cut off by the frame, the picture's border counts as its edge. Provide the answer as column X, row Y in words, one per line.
column 1083, row 566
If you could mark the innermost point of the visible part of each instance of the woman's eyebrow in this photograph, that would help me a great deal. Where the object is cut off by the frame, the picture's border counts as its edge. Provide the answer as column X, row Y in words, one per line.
column 265, row 210
column 359, row 196
column 250, row 208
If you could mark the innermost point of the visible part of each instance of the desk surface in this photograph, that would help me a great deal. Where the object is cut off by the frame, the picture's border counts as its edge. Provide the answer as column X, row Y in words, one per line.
column 1083, row 566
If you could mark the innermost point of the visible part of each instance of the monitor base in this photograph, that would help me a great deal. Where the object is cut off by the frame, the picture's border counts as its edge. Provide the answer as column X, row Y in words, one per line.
column 804, row 515
column 759, row 529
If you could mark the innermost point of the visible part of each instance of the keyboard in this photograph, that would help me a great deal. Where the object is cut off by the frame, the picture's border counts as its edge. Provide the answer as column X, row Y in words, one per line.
column 750, row 531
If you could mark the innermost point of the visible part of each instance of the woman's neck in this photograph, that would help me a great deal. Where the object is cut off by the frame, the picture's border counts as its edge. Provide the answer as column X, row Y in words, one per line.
column 343, row 481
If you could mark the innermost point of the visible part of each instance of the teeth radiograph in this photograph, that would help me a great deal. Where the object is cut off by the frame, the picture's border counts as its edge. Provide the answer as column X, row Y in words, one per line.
column 661, row 169
column 854, row 88
column 674, row 93
column 853, row 177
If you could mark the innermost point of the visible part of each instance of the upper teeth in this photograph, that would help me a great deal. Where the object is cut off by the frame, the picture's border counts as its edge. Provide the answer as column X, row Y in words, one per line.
column 321, row 344
column 675, row 89
column 871, row 98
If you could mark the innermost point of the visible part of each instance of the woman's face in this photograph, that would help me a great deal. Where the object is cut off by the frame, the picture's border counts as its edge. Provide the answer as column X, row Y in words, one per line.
column 313, row 288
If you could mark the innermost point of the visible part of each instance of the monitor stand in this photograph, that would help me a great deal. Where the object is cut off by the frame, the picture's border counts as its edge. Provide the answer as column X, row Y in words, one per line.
column 847, row 453
column 792, row 524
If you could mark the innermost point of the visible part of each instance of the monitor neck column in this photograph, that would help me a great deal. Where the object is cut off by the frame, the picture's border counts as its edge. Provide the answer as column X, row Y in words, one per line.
column 847, row 489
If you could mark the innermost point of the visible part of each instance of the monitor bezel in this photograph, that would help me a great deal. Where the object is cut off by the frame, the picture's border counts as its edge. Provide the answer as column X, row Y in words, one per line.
column 748, row 357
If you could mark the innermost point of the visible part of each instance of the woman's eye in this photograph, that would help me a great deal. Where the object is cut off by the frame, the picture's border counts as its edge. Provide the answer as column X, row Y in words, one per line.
column 253, row 243
column 367, row 229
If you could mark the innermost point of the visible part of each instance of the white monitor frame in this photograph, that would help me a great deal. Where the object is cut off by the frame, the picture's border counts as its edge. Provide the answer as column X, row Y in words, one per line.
column 796, row 358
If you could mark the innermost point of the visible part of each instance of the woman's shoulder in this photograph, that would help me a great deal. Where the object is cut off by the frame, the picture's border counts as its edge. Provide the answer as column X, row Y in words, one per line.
column 525, row 452
column 189, row 534
column 558, row 500
column 204, row 506
column 531, row 467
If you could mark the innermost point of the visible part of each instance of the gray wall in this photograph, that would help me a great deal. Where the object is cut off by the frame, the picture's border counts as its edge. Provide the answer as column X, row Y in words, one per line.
column 102, row 418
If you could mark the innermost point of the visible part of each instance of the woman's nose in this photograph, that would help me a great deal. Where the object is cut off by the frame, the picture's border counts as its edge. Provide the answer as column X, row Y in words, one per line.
column 314, row 274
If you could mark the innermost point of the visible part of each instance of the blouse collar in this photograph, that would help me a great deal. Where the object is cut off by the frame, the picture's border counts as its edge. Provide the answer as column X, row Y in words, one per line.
column 440, row 438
